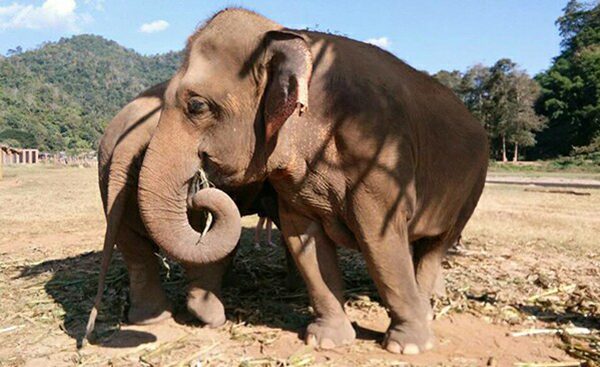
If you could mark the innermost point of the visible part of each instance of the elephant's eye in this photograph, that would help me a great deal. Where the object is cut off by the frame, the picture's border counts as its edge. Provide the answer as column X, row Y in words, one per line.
column 197, row 105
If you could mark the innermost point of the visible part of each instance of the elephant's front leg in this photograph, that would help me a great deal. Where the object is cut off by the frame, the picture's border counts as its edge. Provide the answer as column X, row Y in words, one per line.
column 204, row 291
column 385, row 246
column 316, row 258
column 148, row 301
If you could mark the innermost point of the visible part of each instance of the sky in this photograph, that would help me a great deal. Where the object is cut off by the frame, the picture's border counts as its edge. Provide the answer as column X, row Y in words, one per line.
column 428, row 34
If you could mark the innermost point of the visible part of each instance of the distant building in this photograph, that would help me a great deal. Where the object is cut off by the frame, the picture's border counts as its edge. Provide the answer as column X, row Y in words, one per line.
column 9, row 156
column 19, row 156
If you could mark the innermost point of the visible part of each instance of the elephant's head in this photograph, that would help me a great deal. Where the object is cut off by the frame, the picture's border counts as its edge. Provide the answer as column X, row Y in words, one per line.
column 242, row 78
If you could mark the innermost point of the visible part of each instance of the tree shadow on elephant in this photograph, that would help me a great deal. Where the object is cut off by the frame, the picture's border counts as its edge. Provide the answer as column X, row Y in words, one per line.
column 256, row 291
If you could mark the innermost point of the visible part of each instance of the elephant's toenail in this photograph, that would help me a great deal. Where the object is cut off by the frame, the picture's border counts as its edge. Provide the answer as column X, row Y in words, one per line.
column 327, row 344
column 429, row 345
column 393, row 347
column 410, row 349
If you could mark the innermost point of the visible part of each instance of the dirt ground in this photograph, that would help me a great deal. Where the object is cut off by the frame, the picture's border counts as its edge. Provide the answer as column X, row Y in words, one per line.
column 528, row 260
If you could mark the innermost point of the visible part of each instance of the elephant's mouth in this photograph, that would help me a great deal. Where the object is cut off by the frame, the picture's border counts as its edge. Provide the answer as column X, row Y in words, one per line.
column 198, row 182
column 221, row 174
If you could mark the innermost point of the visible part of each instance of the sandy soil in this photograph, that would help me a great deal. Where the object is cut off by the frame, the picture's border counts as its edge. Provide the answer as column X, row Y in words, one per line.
column 497, row 283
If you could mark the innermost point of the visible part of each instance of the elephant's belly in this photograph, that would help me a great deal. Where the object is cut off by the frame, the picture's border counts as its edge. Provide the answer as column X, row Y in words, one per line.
column 430, row 223
column 340, row 234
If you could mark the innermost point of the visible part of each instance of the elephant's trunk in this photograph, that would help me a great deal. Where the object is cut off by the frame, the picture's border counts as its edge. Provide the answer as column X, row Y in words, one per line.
column 166, row 173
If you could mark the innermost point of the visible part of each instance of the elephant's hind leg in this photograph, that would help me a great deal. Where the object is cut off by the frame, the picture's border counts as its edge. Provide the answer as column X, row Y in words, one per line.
column 386, row 250
column 148, row 301
column 428, row 254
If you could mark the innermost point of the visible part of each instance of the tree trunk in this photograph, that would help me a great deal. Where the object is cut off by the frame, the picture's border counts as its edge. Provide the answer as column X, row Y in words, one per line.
column 516, row 153
column 504, row 159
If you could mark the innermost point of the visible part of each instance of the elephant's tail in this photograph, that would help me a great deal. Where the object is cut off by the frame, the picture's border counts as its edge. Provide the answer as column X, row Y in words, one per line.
column 115, row 203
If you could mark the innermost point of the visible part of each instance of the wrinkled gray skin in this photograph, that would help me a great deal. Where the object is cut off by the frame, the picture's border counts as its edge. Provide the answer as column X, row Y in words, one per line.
column 363, row 151
column 120, row 156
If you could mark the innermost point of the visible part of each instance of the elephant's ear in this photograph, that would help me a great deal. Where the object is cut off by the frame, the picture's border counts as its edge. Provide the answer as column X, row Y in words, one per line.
column 289, row 64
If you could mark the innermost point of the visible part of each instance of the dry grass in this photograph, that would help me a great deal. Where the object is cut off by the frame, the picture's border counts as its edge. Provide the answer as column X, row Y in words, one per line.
column 510, row 214
column 530, row 261
column 39, row 202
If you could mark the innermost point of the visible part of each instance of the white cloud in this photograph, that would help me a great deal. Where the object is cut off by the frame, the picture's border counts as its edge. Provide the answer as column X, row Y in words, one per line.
column 51, row 14
column 96, row 4
column 156, row 26
column 382, row 42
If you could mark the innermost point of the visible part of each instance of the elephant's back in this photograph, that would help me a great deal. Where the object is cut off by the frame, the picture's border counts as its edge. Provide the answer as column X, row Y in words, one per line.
column 127, row 134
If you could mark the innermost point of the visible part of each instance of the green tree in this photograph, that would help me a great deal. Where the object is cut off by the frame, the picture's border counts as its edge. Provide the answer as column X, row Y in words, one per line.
column 23, row 138
column 500, row 104
column 509, row 107
column 451, row 79
column 570, row 88
column 502, row 97
column 525, row 122
column 474, row 92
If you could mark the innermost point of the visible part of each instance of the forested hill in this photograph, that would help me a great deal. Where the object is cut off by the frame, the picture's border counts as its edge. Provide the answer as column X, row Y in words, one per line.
column 61, row 95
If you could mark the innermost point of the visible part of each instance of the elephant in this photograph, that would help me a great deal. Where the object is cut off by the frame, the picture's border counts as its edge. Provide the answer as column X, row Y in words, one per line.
column 363, row 151
column 120, row 155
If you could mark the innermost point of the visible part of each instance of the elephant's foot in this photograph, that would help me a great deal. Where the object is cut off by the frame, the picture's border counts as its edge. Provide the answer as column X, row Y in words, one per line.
column 207, row 307
column 327, row 333
column 149, row 312
column 408, row 338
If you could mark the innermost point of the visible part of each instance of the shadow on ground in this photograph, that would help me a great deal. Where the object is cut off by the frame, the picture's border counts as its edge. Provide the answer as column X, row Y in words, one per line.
column 255, row 292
